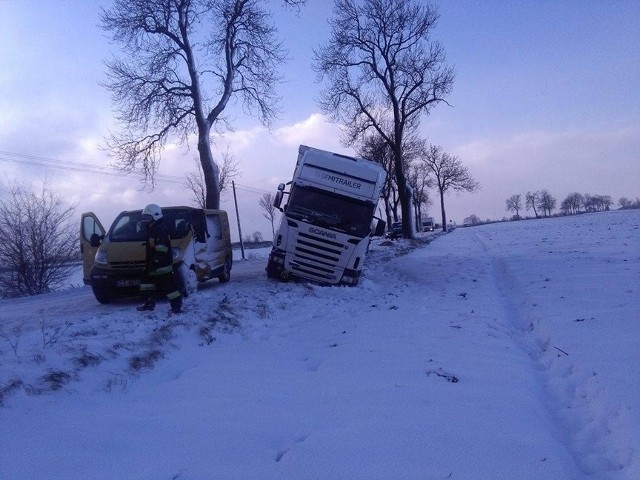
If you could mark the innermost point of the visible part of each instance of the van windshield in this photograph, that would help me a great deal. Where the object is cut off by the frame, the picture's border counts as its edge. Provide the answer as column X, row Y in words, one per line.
column 329, row 210
column 130, row 227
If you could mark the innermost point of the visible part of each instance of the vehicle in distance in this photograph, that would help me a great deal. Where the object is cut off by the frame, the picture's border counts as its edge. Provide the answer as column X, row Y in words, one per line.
column 428, row 225
column 395, row 231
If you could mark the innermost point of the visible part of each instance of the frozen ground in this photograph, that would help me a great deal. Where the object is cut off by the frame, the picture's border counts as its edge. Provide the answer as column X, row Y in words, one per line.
column 506, row 351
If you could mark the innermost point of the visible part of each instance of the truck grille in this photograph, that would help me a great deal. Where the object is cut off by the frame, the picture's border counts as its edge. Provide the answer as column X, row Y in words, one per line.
column 316, row 257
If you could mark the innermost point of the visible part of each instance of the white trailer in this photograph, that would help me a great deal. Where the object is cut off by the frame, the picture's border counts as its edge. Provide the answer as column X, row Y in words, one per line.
column 328, row 220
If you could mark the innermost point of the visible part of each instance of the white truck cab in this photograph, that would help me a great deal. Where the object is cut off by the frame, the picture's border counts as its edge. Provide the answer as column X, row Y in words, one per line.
column 328, row 218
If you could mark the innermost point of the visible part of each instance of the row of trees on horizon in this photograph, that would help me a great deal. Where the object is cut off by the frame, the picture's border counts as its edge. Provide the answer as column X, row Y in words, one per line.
column 543, row 203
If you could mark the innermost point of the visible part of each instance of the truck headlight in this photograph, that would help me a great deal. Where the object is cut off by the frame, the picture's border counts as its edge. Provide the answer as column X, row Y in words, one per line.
column 101, row 257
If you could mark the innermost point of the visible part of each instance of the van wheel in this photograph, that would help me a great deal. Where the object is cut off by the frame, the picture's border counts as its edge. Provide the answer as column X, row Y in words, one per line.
column 225, row 276
column 101, row 295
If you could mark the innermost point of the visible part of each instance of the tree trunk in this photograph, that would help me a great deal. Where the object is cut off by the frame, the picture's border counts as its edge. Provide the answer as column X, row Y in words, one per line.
column 444, row 214
column 404, row 194
column 387, row 211
column 209, row 169
column 406, row 211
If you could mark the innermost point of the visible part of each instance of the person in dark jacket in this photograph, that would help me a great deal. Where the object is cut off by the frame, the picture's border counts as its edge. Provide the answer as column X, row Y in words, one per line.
column 158, row 278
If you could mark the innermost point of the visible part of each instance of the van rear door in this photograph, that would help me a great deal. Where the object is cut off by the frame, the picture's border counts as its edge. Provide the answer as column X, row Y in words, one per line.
column 89, row 226
column 215, row 243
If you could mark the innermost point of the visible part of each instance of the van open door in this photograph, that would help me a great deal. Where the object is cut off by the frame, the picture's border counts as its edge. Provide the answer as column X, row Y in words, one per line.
column 91, row 235
column 219, row 245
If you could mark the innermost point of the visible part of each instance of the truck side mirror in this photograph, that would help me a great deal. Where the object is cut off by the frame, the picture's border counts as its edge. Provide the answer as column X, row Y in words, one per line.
column 95, row 240
column 278, row 199
column 380, row 227
column 279, row 194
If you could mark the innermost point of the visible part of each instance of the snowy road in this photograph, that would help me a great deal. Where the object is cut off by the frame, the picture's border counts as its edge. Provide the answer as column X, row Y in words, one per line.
column 503, row 351
column 30, row 312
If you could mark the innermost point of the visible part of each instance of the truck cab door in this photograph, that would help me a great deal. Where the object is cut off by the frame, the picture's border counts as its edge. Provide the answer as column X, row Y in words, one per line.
column 91, row 235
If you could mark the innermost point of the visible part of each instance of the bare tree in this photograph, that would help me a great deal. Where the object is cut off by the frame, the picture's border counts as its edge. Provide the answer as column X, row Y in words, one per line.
column 605, row 202
column 383, row 72
column 472, row 219
column 374, row 148
column 38, row 242
column 547, row 202
column 195, row 181
column 590, row 202
column 533, row 201
column 626, row 203
column 268, row 211
column 449, row 175
column 420, row 180
column 183, row 61
column 514, row 204
column 597, row 203
column 572, row 203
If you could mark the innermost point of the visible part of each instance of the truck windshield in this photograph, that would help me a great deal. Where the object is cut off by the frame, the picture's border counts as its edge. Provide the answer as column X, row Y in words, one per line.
column 130, row 227
column 329, row 210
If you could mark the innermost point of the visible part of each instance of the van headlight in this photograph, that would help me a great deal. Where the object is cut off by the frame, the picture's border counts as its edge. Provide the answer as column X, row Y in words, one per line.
column 101, row 257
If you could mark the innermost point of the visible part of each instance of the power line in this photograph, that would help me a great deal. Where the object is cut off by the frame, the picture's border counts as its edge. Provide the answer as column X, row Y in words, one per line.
column 251, row 189
column 24, row 159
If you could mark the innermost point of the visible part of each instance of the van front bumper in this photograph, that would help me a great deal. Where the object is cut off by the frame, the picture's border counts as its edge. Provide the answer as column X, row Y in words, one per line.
column 116, row 282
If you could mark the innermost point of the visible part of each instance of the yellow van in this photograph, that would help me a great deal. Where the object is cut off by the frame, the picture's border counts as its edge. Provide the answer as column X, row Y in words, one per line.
column 113, row 261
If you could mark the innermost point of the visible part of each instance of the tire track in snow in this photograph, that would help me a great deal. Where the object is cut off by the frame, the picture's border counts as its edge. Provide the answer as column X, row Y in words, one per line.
column 590, row 424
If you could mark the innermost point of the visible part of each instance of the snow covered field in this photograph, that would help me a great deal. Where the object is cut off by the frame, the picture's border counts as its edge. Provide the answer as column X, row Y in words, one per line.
column 505, row 351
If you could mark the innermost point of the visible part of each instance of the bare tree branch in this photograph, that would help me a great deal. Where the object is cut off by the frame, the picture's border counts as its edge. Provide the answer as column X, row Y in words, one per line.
column 382, row 72
column 194, row 181
column 268, row 210
column 514, row 204
column 38, row 242
column 182, row 62
column 449, row 175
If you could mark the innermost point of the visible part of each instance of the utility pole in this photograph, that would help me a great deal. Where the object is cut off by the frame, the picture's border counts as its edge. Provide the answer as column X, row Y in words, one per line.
column 235, row 200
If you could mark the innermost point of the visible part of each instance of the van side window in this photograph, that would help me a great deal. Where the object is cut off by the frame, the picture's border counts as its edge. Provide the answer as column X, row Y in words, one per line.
column 89, row 227
column 181, row 229
column 200, row 227
column 213, row 223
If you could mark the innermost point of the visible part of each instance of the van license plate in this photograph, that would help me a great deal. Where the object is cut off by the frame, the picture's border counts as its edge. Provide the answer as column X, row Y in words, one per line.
column 128, row 283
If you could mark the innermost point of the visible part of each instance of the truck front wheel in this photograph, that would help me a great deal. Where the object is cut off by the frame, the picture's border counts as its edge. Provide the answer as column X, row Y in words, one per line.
column 273, row 269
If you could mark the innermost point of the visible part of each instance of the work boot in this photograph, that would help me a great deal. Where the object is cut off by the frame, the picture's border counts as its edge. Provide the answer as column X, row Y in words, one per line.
column 176, row 305
column 146, row 306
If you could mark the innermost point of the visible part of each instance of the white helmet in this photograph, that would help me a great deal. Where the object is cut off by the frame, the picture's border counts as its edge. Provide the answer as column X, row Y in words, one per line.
column 154, row 210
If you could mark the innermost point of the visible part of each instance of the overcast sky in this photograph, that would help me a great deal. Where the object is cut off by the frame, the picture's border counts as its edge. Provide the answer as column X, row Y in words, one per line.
column 547, row 95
